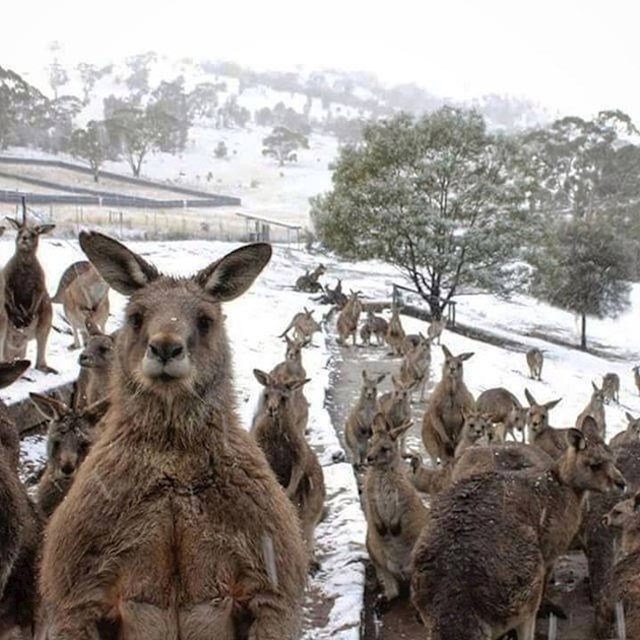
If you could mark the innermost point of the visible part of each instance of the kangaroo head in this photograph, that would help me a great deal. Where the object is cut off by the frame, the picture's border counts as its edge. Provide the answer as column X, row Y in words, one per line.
column 538, row 414
column 70, row 433
column 98, row 352
column 28, row 235
column 633, row 425
column 476, row 425
column 597, row 396
column 383, row 444
column 173, row 343
column 277, row 394
column 587, row 464
column 622, row 512
column 369, row 388
column 401, row 391
column 452, row 367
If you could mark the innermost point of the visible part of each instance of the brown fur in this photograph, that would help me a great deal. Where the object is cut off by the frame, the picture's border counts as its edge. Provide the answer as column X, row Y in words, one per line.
column 415, row 365
column 395, row 332
column 541, row 434
column 84, row 296
column 175, row 524
column 70, row 435
column 293, row 461
column 436, row 327
column 535, row 360
column 20, row 525
column 359, row 425
column 395, row 405
column 611, row 387
column 95, row 362
column 481, row 562
column 304, row 326
column 25, row 306
column 595, row 409
column 374, row 326
column 475, row 432
column 442, row 421
column 395, row 514
column 505, row 412
column 347, row 323
column 630, row 435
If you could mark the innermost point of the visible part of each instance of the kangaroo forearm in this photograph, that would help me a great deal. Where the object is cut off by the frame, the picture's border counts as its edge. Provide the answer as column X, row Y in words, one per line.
column 296, row 475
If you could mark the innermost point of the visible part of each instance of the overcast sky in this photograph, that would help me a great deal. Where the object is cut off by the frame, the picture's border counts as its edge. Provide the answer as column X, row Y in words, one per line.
column 574, row 56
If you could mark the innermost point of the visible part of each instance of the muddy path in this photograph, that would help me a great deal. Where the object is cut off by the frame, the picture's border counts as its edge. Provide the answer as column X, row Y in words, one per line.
column 570, row 589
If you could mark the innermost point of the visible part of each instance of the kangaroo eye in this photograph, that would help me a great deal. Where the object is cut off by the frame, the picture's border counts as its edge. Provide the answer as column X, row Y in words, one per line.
column 135, row 321
column 595, row 466
column 204, row 323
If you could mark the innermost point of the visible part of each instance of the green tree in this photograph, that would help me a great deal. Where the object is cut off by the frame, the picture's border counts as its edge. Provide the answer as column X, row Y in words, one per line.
column 283, row 143
column 92, row 145
column 582, row 268
column 439, row 198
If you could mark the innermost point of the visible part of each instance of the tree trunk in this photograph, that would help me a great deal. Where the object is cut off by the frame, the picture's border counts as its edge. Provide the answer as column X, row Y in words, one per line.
column 583, row 333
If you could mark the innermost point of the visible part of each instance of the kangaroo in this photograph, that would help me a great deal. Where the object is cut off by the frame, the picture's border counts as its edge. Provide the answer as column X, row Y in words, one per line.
column 347, row 323
column 200, row 535
column 70, row 435
column 395, row 514
column 629, row 435
column 290, row 456
column 636, row 376
column 611, row 387
column 414, row 369
column 304, row 326
column 395, row 332
column 434, row 332
column 20, row 526
column 535, row 360
column 442, row 421
column 95, row 368
column 505, row 412
column 595, row 409
column 25, row 306
column 481, row 562
column 513, row 456
column 475, row 431
column 541, row 434
column 598, row 539
column 84, row 296
column 309, row 281
column 378, row 327
column 395, row 405
column 334, row 296
column 625, row 574
column 358, row 428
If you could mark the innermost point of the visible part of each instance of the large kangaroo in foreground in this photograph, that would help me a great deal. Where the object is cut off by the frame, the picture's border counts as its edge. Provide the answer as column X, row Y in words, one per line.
column 175, row 526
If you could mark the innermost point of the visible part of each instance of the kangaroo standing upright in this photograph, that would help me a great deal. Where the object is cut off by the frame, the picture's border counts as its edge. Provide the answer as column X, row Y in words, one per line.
column 25, row 305
column 175, row 527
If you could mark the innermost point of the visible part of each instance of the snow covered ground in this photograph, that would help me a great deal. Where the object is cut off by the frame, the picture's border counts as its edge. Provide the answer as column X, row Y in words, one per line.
column 255, row 320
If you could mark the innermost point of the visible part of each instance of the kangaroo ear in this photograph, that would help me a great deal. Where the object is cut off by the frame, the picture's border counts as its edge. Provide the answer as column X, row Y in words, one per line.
column 465, row 356
column 96, row 411
column 11, row 371
column 380, row 378
column 292, row 385
column 14, row 223
column 576, row 440
column 50, row 408
column 2, row 230
column 122, row 269
column 549, row 405
column 595, row 386
column 263, row 378
column 446, row 351
column 529, row 396
column 364, row 374
column 629, row 417
column 44, row 228
column 233, row 274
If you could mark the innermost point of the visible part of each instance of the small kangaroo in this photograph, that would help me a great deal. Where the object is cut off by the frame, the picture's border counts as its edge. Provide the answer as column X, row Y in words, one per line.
column 481, row 562
column 84, row 297
column 434, row 332
column 442, row 421
column 611, row 387
column 304, row 325
column 358, row 428
column 395, row 405
column 378, row 327
column 535, row 360
column 347, row 322
column 309, row 281
column 200, row 534
column 20, row 527
column 415, row 365
column 629, row 435
column 70, row 435
column 475, row 431
column 541, row 434
column 395, row 514
column 293, row 461
column 395, row 332
column 595, row 409
column 95, row 361
column 25, row 306
column 505, row 412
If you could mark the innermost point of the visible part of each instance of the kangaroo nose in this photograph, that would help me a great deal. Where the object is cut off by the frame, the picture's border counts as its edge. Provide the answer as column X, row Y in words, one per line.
column 165, row 348
column 68, row 469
